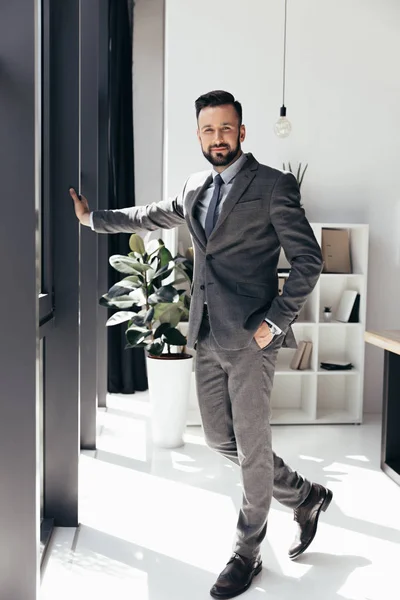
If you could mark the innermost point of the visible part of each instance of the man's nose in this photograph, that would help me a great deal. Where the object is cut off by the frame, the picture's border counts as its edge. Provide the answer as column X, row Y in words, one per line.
column 218, row 138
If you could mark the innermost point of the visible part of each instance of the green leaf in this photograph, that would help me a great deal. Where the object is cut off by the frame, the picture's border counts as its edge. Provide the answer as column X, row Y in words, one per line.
column 152, row 247
column 122, row 288
column 138, row 297
column 120, row 302
column 183, row 272
column 172, row 315
column 139, row 345
column 181, row 280
column 137, row 256
column 159, row 309
column 120, row 317
column 174, row 337
column 165, row 256
column 124, row 264
column 104, row 302
column 141, row 268
column 161, row 329
column 137, row 320
column 165, row 271
column 149, row 315
column 132, row 281
column 302, row 177
column 156, row 348
column 166, row 293
column 135, row 335
column 136, row 244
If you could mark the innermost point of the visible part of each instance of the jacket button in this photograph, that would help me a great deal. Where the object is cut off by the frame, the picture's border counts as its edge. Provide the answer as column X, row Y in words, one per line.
column 209, row 257
column 202, row 287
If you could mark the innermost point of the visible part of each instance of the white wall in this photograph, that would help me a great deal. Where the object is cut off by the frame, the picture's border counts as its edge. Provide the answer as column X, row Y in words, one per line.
column 148, row 103
column 343, row 98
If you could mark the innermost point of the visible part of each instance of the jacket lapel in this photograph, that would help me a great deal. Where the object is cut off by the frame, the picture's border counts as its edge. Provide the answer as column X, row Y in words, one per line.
column 240, row 185
column 194, row 224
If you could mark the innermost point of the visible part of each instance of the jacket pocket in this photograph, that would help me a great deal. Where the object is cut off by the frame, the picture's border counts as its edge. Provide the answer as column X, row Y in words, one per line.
column 247, row 203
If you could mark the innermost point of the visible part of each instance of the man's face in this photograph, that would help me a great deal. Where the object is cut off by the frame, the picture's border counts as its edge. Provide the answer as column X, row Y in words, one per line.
column 220, row 135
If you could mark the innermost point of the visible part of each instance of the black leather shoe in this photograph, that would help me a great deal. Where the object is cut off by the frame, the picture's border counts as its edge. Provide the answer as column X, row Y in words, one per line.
column 306, row 516
column 237, row 576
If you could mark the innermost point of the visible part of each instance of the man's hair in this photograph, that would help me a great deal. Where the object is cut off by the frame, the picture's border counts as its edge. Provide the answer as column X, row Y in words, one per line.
column 218, row 98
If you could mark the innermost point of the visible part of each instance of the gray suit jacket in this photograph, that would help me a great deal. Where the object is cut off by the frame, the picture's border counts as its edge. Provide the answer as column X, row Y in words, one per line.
column 235, row 271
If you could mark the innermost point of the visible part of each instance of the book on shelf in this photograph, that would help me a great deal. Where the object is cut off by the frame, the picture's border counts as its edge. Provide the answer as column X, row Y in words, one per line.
column 305, row 362
column 336, row 366
column 349, row 307
column 302, row 357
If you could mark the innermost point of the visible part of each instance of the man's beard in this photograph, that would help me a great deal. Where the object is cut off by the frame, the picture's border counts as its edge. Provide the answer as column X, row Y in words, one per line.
column 222, row 160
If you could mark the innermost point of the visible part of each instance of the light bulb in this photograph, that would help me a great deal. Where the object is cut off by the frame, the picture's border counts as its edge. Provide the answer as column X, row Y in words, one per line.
column 283, row 126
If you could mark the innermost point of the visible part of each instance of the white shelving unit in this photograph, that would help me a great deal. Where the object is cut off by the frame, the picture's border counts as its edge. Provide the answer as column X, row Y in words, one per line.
column 316, row 396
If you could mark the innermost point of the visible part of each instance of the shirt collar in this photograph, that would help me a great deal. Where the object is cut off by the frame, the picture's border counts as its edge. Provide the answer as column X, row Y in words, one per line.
column 231, row 172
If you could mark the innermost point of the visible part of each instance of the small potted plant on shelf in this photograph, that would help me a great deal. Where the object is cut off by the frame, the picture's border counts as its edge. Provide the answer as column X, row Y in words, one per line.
column 327, row 314
column 152, row 310
column 300, row 173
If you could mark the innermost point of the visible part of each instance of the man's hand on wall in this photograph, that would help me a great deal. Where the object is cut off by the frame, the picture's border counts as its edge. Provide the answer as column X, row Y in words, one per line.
column 81, row 206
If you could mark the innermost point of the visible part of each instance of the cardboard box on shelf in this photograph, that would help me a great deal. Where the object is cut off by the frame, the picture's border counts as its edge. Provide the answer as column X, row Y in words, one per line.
column 336, row 250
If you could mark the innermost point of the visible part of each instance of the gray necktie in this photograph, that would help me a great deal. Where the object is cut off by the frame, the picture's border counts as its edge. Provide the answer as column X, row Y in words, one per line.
column 211, row 216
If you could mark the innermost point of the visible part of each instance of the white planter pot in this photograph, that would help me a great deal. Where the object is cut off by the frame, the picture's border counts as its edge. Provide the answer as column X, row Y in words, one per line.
column 169, row 392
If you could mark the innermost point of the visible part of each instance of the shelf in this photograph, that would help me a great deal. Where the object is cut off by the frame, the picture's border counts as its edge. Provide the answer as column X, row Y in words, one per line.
column 338, row 324
column 343, row 345
column 331, row 415
column 338, row 397
column 303, row 323
column 282, row 416
column 324, row 275
column 339, row 372
column 288, row 371
column 293, row 398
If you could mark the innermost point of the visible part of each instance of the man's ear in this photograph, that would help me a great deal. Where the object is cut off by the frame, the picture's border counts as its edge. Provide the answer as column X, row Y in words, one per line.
column 242, row 133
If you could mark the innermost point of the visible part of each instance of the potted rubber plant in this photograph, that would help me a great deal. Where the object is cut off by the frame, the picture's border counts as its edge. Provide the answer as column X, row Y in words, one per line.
column 151, row 309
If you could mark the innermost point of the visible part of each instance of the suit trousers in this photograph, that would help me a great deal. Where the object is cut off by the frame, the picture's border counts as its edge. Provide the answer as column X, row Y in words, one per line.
column 234, row 389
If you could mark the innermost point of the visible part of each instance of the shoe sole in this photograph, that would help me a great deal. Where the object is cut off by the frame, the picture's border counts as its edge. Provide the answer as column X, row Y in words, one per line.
column 324, row 506
column 227, row 596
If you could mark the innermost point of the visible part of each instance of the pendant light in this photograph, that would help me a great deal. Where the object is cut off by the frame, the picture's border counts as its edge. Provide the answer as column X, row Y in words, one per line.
column 283, row 127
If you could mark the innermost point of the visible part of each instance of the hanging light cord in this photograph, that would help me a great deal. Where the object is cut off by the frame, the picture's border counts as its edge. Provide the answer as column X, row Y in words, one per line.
column 284, row 57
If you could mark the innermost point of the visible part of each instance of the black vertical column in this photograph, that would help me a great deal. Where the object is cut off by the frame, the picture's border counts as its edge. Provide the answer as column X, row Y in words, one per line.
column 62, row 436
column 390, row 447
column 19, row 472
column 103, row 182
column 89, row 240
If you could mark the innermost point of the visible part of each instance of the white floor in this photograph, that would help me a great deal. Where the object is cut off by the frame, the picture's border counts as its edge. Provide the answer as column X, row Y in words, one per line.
column 158, row 524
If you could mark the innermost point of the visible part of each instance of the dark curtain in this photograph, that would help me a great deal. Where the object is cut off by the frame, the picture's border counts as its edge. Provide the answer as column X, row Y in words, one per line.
column 126, row 368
